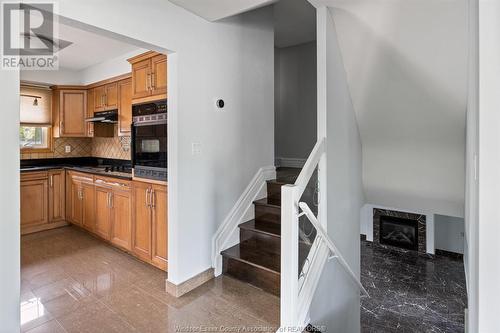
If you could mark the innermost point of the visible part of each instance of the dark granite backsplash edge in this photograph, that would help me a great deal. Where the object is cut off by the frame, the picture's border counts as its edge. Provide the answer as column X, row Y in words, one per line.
column 74, row 161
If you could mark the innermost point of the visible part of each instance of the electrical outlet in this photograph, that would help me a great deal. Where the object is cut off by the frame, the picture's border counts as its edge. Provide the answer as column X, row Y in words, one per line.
column 67, row 149
column 196, row 148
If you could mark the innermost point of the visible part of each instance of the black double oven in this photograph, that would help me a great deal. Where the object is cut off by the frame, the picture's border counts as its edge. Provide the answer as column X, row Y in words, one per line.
column 149, row 141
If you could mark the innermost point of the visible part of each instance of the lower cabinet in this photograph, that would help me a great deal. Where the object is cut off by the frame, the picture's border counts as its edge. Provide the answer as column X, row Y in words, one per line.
column 57, row 186
column 113, row 219
column 150, row 227
column 34, row 200
column 102, row 212
column 121, row 218
column 131, row 215
column 42, row 200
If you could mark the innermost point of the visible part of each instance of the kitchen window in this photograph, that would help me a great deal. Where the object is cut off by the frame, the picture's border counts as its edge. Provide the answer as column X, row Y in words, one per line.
column 35, row 131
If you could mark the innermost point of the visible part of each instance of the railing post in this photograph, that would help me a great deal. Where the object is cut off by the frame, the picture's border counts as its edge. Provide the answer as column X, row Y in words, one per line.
column 289, row 256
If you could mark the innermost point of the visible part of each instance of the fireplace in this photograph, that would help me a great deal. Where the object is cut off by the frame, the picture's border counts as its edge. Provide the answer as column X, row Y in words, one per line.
column 399, row 232
column 400, row 229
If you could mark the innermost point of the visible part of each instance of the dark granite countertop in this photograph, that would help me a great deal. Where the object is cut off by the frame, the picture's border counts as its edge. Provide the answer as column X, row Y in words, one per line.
column 90, row 165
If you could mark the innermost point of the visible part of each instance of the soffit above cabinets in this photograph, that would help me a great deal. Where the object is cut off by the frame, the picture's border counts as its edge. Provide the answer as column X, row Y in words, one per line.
column 214, row 10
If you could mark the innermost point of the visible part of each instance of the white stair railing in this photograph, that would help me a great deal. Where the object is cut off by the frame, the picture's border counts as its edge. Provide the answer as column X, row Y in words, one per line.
column 297, row 290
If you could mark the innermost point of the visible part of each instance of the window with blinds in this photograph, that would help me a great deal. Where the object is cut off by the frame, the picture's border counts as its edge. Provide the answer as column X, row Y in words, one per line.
column 35, row 118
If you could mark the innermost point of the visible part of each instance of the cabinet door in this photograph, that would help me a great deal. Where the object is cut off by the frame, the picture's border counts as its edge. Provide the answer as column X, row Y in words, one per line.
column 121, row 229
column 159, row 74
column 57, row 180
column 72, row 112
column 34, row 202
column 76, row 205
column 102, row 212
column 124, row 107
column 140, row 79
column 159, row 253
column 141, row 230
column 99, row 98
column 88, row 210
column 90, row 111
column 111, row 96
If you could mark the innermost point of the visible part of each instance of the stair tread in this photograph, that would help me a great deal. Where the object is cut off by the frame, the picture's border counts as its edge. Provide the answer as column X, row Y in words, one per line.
column 268, row 202
column 254, row 255
column 271, row 229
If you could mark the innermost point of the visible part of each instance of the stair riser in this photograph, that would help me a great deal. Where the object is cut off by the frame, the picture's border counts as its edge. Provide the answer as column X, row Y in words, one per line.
column 267, row 214
column 258, row 277
column 274, row 191
column 271, row 243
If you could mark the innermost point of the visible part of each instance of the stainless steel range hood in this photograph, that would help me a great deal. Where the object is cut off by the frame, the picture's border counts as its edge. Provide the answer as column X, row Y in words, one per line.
column 106, row 117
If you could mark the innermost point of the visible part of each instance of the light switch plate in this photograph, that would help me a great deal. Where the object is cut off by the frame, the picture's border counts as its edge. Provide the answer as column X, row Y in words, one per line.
column 67, row 149
column 196, row 148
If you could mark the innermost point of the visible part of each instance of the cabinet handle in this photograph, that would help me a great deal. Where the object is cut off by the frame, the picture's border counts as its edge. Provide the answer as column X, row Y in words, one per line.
column 153, row 199
column 149, row 82
column 153, row 81
column 110, row 200
column 51, row 181
column 147, row 197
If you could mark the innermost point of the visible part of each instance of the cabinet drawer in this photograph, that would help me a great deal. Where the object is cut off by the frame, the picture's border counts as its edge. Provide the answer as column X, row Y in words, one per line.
column 112, row 182
column 34, row 175
column 80, row 176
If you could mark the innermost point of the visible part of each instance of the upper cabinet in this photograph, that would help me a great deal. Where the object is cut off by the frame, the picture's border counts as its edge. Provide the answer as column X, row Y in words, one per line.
column 124, row 107
column 106, row 97
column 149, row 77
column 70, row 111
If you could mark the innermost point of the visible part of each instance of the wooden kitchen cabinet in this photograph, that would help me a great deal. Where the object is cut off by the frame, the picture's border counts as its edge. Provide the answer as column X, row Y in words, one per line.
column 149, row 77
column 71, row 111
column 34, row 200
column 88, row 206
column 159, row 252
column 121, row 216
column 113, row 211
column 159, row 75
column 102, row 212
column 150, row 225
column 90, row 111
column 142, row 228
column 79, row 198
column 99, row 98
column 106, row 97
column 124, row 107
column 57, row 195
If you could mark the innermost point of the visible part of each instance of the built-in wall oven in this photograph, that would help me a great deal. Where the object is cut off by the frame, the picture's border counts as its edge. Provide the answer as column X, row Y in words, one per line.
column 149, row 140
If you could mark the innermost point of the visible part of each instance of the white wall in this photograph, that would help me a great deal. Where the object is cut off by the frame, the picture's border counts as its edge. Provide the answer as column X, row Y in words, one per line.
column 295, row 95
column 336, row 302
column 472, row 187
column 488, row 229
column 449, row 233
column 409, row 86
column 9, row 203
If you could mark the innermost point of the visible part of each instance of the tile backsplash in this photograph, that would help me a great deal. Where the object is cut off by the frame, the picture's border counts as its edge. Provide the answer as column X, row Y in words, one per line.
column 115, row 147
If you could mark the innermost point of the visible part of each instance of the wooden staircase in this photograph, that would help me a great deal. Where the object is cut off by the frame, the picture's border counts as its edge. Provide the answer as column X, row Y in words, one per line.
column 256, row 259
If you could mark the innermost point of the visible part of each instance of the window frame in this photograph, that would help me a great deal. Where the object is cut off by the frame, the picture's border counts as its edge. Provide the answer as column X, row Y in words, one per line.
column 50, row 141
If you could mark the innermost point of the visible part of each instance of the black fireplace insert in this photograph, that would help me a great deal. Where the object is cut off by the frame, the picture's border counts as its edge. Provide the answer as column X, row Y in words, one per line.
column 400, row 232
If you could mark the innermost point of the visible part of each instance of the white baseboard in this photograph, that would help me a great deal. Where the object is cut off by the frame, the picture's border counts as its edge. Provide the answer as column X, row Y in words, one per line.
column 227, row 233
column 288, row 162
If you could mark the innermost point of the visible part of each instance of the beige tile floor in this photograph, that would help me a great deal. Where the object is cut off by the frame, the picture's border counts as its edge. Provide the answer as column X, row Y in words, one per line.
column 73, row 282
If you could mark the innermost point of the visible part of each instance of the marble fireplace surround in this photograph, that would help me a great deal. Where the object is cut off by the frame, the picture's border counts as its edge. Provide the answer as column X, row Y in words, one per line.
column 421, row 222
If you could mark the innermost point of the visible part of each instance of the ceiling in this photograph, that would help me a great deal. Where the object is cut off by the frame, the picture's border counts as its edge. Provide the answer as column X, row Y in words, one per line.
column 88, row 49
column 213, row 10
column 406, row 63
column 294, row 22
